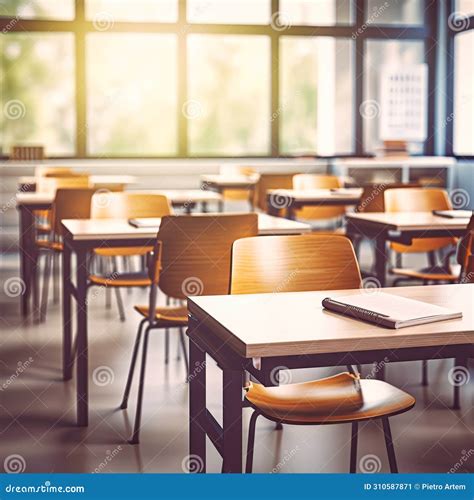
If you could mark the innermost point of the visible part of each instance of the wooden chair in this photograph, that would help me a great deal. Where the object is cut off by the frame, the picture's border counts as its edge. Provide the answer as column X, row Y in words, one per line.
column 421, row 200
column 317, row 181
column 270, row 181
column 69, row 203
column 301, row 263
column 124, row 205
column 191, row 257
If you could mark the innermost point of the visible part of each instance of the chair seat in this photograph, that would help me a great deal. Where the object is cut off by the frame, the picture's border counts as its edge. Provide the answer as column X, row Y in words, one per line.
column 55, row 246
column 167, row 316
column 338, row 399
column 435, row 273
column 121, row 280
column 122, row 251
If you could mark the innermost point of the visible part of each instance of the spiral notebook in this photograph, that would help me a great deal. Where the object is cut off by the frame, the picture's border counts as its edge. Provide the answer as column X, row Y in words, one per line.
column 389, row 311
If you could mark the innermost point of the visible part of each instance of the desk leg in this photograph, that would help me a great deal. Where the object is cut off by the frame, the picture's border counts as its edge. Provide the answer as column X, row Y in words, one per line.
column 67, row 326
column 27, row 252
column 381, row 259
column 232, row 420
column 82, row 348
column 197, row 405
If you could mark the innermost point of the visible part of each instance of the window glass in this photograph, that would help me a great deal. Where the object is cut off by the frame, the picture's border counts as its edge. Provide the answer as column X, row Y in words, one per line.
column 229, row 11
column 316, row 12
column 37, row 9
column 106, row 12
column 131, row 94
column 316, row 95
column 228, row 106
column 395, row 11
column 37, row 98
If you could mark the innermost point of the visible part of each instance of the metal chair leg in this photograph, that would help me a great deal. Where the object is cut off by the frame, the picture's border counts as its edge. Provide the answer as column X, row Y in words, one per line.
column 182, row 341
column 131, row 370
column 35, row 289
column 121, row 310
column 389, row 444
column 424, row 372
column 251, row 442
column 354, row 435
column 167, row 346
column 138, row 416
column 56, row 270
column 45, row 290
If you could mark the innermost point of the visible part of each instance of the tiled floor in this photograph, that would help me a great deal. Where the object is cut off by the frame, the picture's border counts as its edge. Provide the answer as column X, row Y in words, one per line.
column 37, row 410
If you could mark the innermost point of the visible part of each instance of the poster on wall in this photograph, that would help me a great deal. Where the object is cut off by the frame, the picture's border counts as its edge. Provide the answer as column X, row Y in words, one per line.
column 403, row 99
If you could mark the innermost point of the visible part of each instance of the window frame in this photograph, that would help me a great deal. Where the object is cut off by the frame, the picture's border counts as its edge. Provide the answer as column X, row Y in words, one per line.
column 359, row 32
column 452, row 31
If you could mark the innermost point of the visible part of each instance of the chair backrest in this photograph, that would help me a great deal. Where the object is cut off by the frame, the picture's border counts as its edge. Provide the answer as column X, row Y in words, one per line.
column 71, row 203
column 372, row 198
column 317, row 181
column 127, row 205
column 418, row 200
column 294, row 264
column 271, row 181
column 27, row 153
column 52, row 184
column 196, row 252
column 465, row 254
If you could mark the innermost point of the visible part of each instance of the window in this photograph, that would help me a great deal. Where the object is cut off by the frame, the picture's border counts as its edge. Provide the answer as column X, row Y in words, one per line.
column 38, row 9
column 131, row 94
column 37, row 98
column 228, row 106
column 316, row 95
column 317, row 13
column 105, row 12
column 395, row 12
column 380, row 54
column 465, row 7
column 229, row 11
column 463, row 94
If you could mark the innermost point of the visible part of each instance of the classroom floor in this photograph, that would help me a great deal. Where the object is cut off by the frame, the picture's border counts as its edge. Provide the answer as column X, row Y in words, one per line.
column 37, row 409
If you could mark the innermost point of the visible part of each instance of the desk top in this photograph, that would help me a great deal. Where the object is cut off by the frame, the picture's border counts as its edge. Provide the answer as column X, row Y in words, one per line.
column 178, row 196
column 285, row 324
column 96, row 180
column 224, row 180
column 351, row 195
column 120, row 229
column 406, row 221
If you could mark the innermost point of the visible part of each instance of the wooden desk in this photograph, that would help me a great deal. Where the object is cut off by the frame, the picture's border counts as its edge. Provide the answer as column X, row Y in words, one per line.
column 402, row 228
column 291, row 200
column 233, row 329
column 26, row 184
column 81, row 237
column 220, row 183
column 28, row 202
